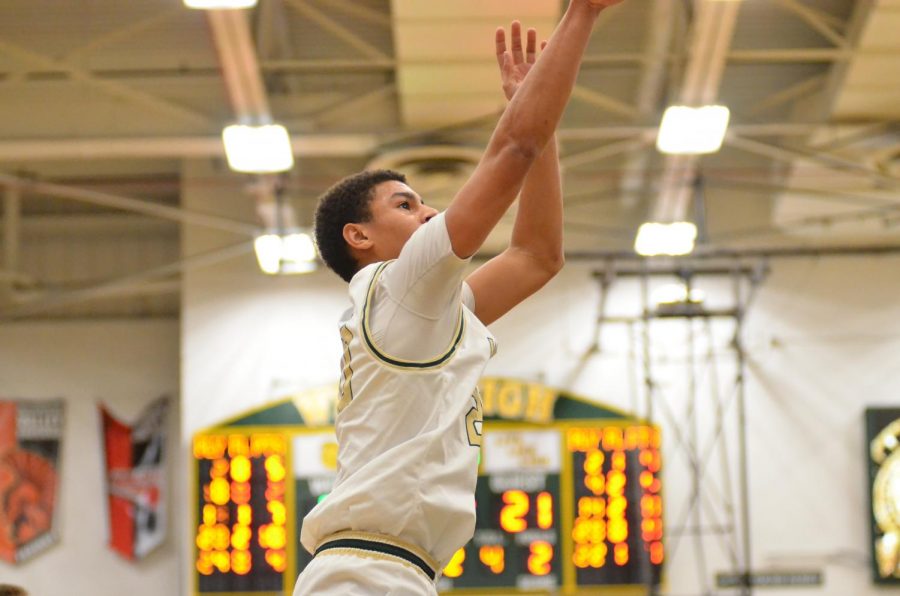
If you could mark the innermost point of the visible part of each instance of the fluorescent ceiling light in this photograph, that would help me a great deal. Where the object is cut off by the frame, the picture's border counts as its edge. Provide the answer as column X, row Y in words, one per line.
column 219, row 4
column 676, row 293
column 268, row 252
column 671, row 239
column 258, row 149
column 692, row 131
column 288, row 254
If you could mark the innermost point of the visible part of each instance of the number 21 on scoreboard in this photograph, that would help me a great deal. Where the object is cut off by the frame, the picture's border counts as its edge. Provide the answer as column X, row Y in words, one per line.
column 517, row 504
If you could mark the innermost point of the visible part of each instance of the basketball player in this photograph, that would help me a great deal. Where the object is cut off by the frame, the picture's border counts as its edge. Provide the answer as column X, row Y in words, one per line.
column 415, row 342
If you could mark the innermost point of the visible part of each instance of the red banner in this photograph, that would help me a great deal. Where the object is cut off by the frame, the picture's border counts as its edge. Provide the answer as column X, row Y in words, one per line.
column 30, row 433
column 135, row 480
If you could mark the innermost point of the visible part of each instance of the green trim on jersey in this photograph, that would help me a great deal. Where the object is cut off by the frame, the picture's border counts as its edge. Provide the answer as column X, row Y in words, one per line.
column 399, row 362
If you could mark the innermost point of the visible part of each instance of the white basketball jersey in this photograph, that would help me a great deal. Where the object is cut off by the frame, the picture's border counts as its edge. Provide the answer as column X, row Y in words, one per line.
column 409, row 432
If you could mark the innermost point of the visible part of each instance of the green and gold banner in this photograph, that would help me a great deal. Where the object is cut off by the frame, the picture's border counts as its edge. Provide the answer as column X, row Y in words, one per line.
column 883, row 446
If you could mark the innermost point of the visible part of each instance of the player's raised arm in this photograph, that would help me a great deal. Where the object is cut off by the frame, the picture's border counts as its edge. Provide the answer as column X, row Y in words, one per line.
column 523, row 131
column 535, row 252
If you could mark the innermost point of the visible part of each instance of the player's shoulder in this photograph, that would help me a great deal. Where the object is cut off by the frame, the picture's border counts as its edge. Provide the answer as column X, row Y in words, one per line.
column 365, row 275
column 364, row 281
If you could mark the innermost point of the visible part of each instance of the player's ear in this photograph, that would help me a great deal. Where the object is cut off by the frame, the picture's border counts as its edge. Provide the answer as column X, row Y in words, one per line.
column 355, row 236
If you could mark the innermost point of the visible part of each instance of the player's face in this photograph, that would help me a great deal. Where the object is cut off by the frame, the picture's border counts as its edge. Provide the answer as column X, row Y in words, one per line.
column 397, row 212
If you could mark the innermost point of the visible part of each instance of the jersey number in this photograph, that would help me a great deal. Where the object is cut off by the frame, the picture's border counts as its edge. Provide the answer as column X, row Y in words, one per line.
column 475, row 420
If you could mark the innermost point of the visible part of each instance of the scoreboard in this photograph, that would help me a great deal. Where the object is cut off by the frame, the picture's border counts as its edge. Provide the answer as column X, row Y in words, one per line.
column 569, row 496
column 241, row 534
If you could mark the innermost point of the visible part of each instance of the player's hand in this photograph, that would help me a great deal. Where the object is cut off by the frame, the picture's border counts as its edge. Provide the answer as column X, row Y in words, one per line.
column 515, row 63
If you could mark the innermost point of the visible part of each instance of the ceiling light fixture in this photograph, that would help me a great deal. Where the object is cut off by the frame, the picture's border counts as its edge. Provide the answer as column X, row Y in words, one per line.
column 676, row 293
column 692, row 131
column 285, row 254
column 219, row 4
column 672, row 239
column 262, row 149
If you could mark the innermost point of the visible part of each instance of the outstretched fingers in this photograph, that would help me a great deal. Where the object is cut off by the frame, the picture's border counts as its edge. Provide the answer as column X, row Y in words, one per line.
column 500, row 45
column 516, row 42
column 531, row 44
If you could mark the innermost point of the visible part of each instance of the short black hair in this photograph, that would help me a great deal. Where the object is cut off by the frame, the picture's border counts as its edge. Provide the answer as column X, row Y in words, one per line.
column 346, row 202
column 10, row 590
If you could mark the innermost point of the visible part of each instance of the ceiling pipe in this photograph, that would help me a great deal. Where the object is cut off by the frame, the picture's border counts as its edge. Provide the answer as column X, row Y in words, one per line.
column 18, row 152
column 12, row 216
column 321, row 145
column 650, row 94
column 240, row 67
column 711, row 36
column 112, row 201
column 246, row 93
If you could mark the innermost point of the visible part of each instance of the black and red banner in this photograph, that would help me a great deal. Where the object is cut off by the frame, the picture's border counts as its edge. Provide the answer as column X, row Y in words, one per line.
column 135, row 480
column 30, row 436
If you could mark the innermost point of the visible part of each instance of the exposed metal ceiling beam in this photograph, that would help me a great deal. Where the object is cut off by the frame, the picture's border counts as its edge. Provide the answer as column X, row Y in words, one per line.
column 112, row 88
column 112, row 201
column 12, row 215
column 604, row 102
column 348, row 65
column 864, row 196
column 320, row 145
column 792, row 155
column 123, row 34
column 353, row 105
column 274, row 41
column 127, row 284
column 862, row 11
column 815, row 19
column 338, row 30
column 173, row 147
column 606, row 151
column 355, row 9
column 787, row 95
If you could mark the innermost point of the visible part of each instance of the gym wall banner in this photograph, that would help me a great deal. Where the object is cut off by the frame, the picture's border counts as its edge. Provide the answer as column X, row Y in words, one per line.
column 30, row 442
column 135, row 480
column 883, row 455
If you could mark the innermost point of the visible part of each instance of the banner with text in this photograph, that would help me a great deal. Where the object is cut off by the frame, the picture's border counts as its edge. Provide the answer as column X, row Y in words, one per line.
column 30, row 438
column 135, row 480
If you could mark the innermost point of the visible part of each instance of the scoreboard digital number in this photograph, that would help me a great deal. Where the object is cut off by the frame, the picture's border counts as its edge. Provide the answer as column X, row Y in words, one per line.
column 242, row 537
column 517, row 530
column 571, row 506
column 617, row 527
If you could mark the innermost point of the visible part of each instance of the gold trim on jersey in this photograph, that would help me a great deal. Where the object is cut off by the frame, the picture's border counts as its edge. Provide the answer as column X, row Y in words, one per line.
column 400, row 362
column 368, row 554
column 383, row 539
column 345, row 390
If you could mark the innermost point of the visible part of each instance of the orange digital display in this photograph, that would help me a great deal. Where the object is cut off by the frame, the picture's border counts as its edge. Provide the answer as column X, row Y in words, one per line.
column 517, row 505
column 241, row 535
column 493, row 556
column 618, row 530
column 516, row 537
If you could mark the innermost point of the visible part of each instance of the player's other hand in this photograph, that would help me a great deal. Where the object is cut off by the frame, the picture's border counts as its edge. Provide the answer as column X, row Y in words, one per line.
column 516, row 61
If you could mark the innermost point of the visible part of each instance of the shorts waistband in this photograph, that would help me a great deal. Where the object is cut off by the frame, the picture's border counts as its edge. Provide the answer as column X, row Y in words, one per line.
column 368, row 542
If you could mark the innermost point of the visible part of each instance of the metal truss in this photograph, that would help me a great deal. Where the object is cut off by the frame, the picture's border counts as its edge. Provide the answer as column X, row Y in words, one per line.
column 713, row 509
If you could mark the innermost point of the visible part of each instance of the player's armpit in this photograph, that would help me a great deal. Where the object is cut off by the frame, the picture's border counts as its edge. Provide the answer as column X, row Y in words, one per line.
column 506, row 280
